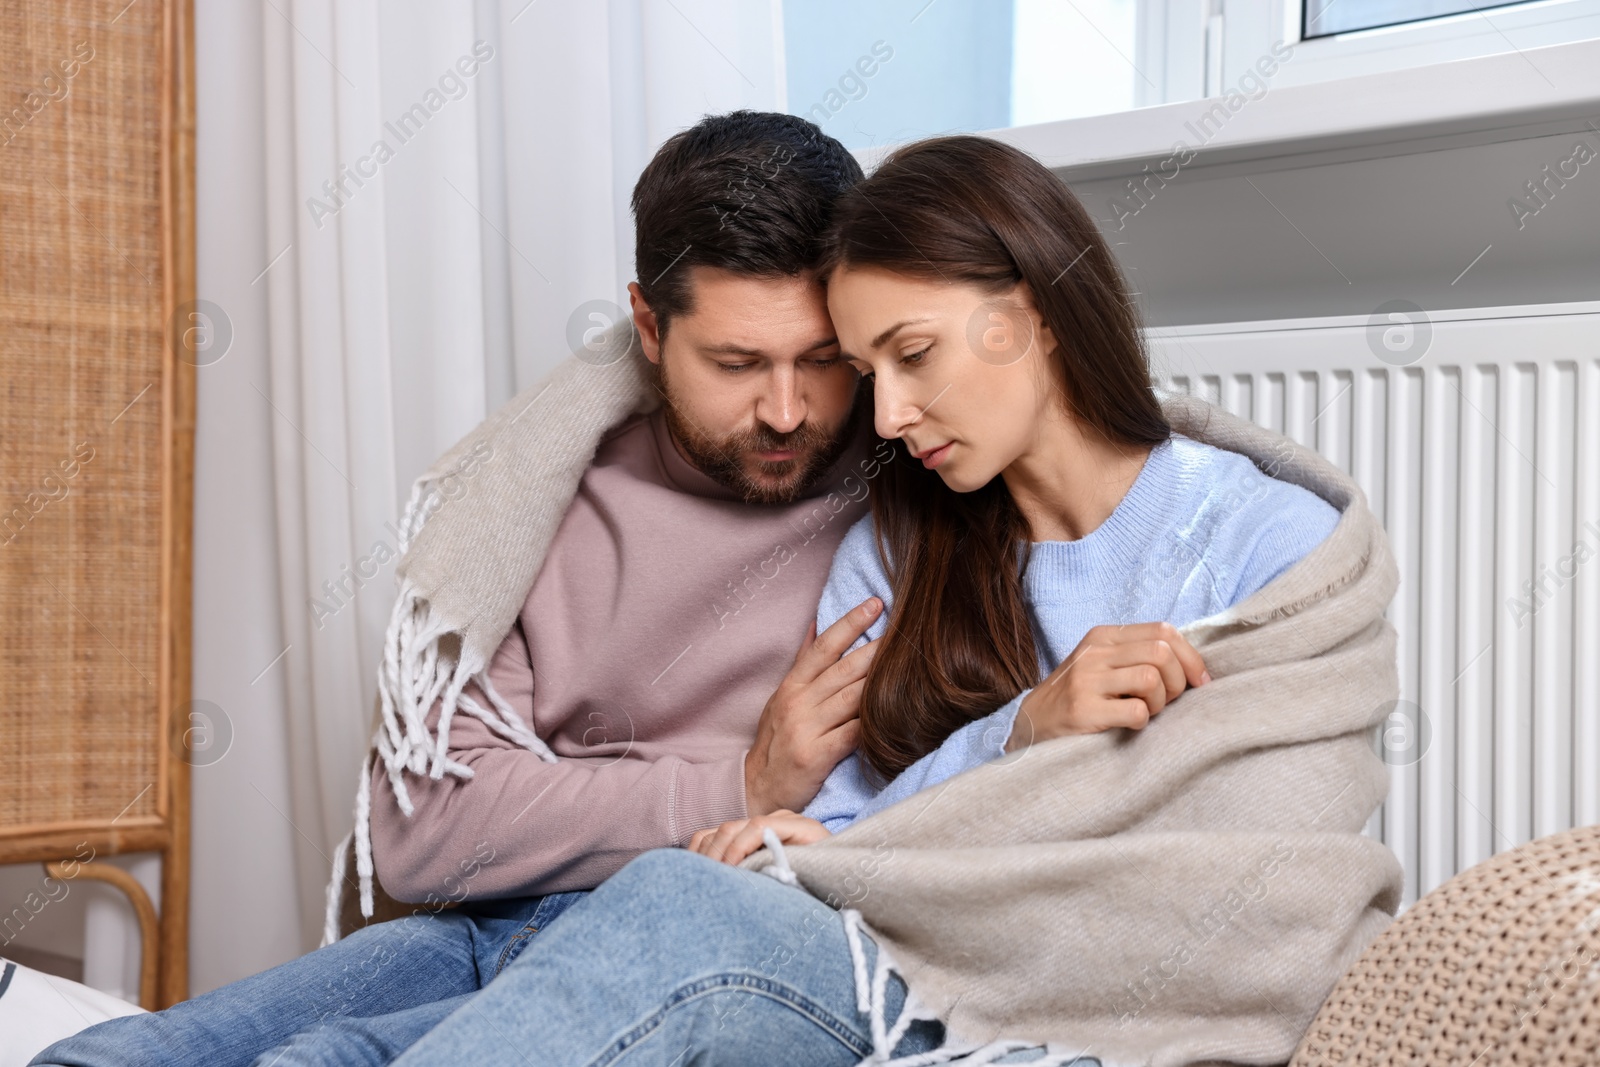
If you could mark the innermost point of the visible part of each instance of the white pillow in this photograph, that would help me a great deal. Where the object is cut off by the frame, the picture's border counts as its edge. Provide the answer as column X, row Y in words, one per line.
column 38, row 1009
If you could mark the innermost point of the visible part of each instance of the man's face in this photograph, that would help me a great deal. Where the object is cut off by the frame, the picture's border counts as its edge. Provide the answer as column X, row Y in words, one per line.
column 755, row 393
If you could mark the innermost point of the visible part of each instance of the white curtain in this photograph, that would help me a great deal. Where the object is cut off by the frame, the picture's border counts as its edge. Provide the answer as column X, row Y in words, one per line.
column 382, row 303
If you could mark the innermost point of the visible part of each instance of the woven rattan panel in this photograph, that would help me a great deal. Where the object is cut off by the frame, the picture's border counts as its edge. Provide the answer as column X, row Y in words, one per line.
column 81, row 421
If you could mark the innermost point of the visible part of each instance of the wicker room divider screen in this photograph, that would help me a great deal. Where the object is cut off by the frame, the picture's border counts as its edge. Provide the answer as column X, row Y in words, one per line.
column 96, row 450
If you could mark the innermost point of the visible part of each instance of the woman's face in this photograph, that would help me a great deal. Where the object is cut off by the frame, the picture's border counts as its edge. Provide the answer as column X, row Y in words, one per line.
column 961, row 377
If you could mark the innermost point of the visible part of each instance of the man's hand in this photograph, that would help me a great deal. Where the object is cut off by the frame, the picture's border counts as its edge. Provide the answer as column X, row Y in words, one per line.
column 734, row 840
column 810, row 723
column 1118, row 676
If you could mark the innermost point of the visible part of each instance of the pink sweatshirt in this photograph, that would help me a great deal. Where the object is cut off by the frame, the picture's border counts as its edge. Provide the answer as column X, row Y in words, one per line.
column 665, row 615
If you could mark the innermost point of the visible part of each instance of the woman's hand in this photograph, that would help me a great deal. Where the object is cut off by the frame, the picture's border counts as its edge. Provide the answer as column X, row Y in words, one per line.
column 737, row 838
column 1118, row 676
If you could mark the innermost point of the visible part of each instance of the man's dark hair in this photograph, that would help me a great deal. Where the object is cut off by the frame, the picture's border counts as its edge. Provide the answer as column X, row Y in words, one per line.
column 749, row 192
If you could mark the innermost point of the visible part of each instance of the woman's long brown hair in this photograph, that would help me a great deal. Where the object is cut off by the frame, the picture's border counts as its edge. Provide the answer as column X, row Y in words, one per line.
column 975, row 211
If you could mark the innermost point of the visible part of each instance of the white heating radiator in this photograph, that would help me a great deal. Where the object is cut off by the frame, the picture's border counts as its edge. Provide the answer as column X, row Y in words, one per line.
column 1482, row 459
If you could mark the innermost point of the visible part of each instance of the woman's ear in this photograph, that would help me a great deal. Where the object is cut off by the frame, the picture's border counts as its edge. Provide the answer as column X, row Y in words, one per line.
column 1051, row 364
column 1041, row 341
column 1045, row 341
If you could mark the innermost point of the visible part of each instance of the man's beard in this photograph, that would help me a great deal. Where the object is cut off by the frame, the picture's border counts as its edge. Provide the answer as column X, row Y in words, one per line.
column 727, row 460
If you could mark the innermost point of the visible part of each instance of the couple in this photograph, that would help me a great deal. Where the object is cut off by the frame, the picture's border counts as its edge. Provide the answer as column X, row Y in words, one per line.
column 999, row 594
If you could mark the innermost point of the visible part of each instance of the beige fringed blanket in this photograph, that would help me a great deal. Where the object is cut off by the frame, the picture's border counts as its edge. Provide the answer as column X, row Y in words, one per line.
column 1185, row 895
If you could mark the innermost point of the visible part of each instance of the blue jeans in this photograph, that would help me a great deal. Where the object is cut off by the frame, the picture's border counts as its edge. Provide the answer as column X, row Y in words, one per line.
column 362, row 1000
column 676, row 960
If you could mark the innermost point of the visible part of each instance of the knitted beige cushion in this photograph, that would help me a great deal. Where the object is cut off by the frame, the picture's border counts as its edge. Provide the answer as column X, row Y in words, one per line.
column 1498, row 966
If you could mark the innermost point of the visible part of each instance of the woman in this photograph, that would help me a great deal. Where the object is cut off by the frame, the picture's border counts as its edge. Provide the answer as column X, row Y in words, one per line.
column 1042, row 522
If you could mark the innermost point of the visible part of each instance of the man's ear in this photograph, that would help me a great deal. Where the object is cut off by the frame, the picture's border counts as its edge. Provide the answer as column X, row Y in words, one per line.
column 644, row 320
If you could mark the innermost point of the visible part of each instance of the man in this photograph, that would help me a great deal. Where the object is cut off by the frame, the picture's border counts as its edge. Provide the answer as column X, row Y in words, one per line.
column 655, row 653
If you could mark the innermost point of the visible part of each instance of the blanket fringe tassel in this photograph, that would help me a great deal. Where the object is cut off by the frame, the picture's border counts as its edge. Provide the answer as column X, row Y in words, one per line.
column 872, row 990
column 412, row 677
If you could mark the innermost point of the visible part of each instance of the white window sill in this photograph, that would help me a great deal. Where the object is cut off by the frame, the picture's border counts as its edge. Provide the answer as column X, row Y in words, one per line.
column 1482, row 99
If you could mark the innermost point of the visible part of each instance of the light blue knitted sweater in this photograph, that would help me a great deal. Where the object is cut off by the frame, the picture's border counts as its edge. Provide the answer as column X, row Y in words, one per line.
column 1200, row 530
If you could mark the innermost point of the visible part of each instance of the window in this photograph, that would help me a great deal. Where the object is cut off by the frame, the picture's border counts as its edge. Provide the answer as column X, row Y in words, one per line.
column 880, row 72
column 1324, row 17
column 883, row 72
column 1346, row 38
